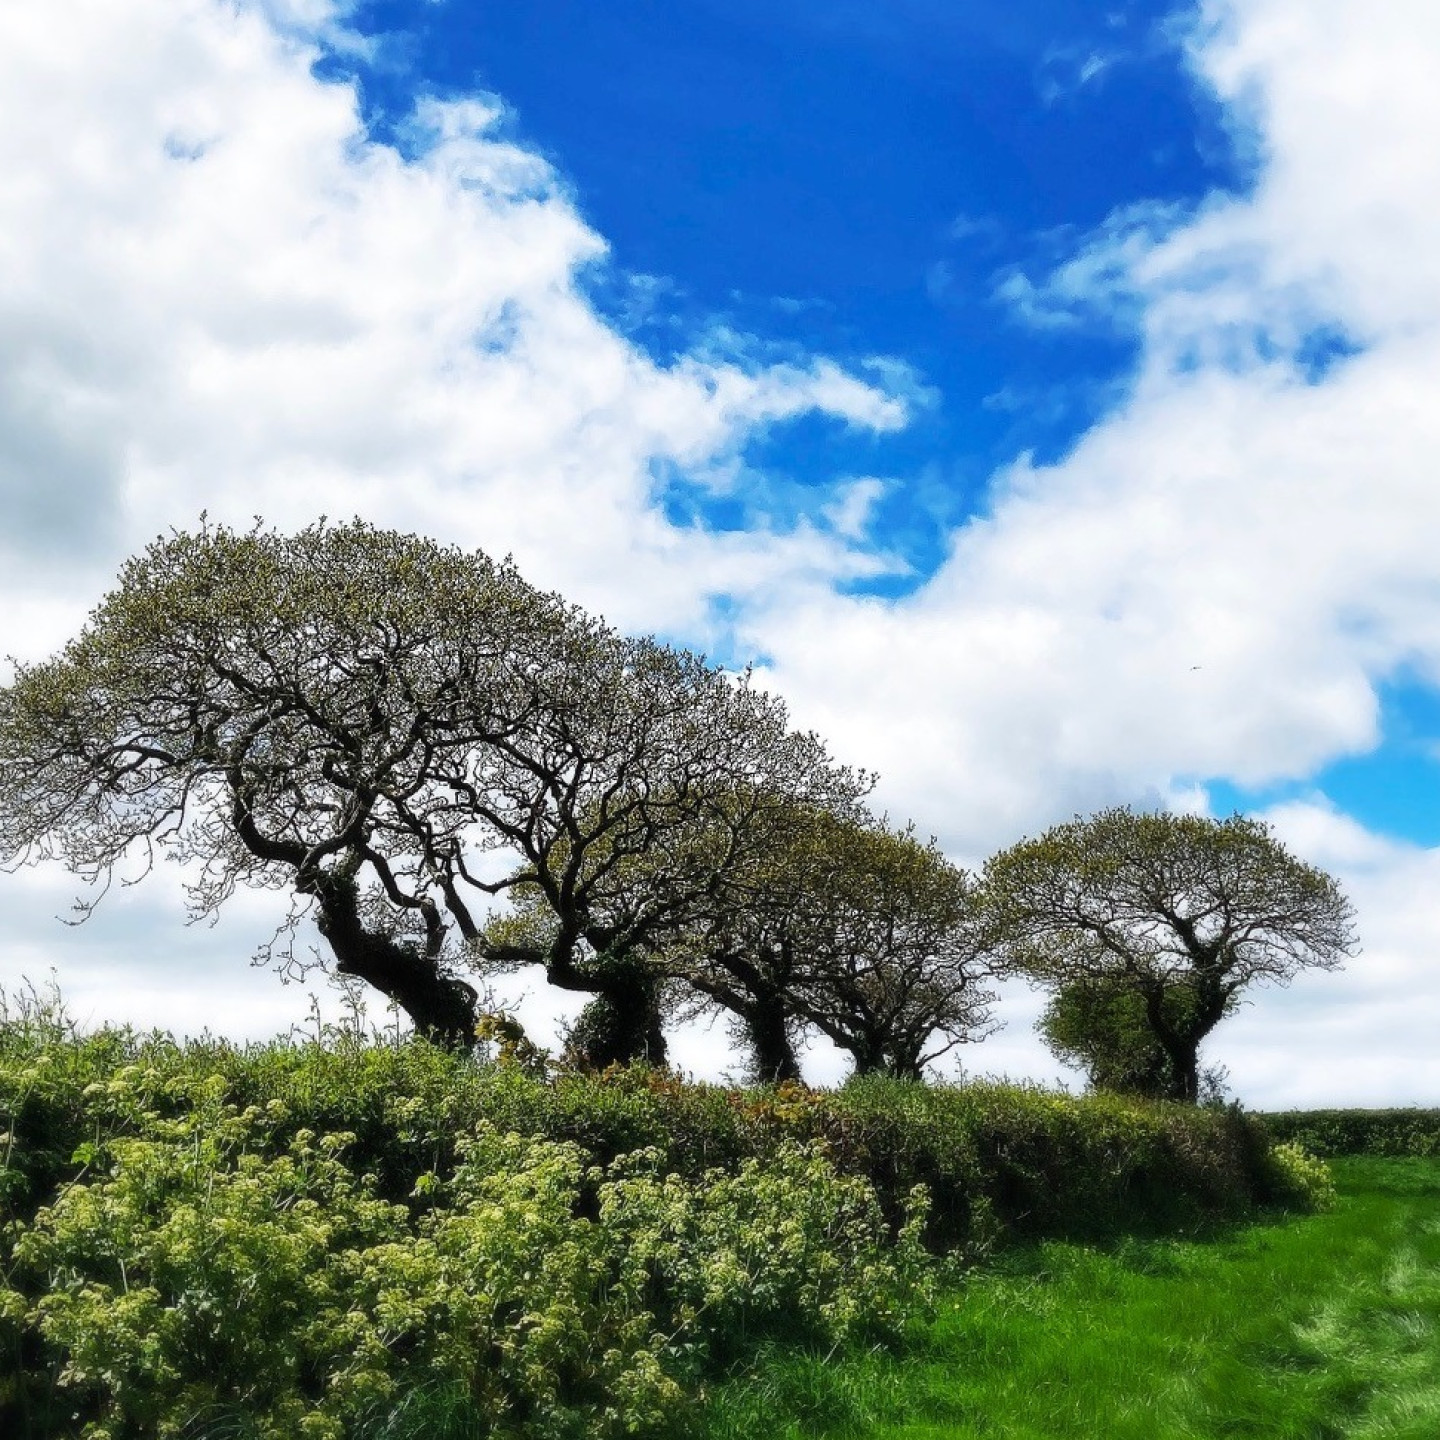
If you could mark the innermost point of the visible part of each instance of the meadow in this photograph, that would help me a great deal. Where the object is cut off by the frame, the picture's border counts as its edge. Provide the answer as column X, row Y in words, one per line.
column 352, row 1240
column 1316, row 1327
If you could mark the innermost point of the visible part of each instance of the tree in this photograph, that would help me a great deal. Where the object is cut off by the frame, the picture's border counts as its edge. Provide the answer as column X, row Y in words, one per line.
column 1180, row 911
column 360, row 716
column 1100, row 1026
column 313, row 712
column 850, row 927
column 650, row 783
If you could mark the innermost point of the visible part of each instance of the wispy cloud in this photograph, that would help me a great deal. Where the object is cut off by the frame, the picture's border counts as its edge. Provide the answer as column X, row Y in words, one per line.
column 1101, row 279
column 1067, row 70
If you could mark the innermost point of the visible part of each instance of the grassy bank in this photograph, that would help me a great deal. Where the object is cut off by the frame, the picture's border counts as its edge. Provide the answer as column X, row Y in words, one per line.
column 1324, row 1327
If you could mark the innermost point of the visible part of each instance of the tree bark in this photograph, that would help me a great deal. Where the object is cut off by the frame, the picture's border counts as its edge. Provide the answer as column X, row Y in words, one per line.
column 441, row 1007
column 1183, row 1082
column 622, row 1024
column 771, row 1051
column 869, row 1059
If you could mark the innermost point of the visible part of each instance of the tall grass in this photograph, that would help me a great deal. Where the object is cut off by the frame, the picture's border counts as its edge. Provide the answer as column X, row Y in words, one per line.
column 1321, row 1328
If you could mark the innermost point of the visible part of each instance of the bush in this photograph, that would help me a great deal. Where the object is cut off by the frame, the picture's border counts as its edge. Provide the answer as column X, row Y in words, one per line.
column 276, row 1238
column 201, row 1265
column 1301, row 1179
column 1013, row 1160
column 1408, row 1132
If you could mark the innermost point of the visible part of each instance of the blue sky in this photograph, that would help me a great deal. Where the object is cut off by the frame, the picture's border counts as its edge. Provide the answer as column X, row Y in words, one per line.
column 854, row 180
column 861, row 181
column 1040, row 394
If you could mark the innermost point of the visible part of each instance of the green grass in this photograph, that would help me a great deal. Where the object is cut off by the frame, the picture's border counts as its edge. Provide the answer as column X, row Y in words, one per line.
column 1317, row 1328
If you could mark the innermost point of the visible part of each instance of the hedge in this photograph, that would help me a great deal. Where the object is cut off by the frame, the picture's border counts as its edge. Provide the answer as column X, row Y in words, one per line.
column 275, row 1236
column 1359, row 1132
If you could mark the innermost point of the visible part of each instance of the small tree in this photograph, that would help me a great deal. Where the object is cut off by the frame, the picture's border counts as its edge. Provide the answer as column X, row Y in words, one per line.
column 1180, row 911
column 1101, row 1027
column 853, row 929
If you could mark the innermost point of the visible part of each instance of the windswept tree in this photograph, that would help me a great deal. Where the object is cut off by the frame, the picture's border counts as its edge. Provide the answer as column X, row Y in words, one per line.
column 619, row 880
column 1181, row 911
column 359, row 716
column 899, row 963
column 846, row 926
column 306, row 712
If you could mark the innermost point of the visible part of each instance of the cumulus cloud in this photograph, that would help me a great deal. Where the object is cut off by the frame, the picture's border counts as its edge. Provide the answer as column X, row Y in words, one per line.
column 1216, row 577
column 219, row 291
column 1363, row 1035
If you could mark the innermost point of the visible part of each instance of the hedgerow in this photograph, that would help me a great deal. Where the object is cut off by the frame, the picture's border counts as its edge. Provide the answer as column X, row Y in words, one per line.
column 1396, row 1132
column 279, row 1238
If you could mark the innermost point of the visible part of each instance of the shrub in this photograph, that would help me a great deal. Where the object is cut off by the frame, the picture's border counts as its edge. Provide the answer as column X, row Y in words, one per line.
column 1411, row 1132
column 1003, row 1160
column 201, row 1266
column 1299, row 1178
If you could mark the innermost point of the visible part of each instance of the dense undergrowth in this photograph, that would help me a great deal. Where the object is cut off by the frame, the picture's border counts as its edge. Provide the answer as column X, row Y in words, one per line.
column 297, row 1239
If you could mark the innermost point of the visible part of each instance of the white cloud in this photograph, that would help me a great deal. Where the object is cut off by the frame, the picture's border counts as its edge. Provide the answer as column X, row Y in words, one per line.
column 1363, row 1035
column 1215, row 579
column 1099, row 282
column 217, row 291
column 1218, row 576
column 1066, row 70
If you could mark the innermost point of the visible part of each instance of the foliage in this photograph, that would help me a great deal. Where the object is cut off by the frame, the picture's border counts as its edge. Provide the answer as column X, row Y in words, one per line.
column 1100, row 1026
column 293, row 1231
column 1165, row 905
column 1300, row 1178
column 198, row 1265
column 638, row 789
column 306, row 712
column 1359, row 1132
column 1003, row 1161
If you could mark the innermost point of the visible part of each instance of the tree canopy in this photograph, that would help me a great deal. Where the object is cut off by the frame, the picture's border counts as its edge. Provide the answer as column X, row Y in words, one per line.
column 360, row 715
column 634, row 807
column 1181, row 911
column 401, row 734
column 313, row 711
column 850, row 927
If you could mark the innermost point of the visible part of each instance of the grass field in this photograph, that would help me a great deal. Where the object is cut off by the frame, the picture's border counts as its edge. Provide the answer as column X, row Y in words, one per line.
column 1324, row 1327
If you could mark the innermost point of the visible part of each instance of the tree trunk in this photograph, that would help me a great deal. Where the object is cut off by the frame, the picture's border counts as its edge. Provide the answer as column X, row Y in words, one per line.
column 1185, row 1065
column 903, row 1062
column 1183, row 1051
column 622, row 1024
column 869, row 1059
column 772, row 1053
column 442, row 1008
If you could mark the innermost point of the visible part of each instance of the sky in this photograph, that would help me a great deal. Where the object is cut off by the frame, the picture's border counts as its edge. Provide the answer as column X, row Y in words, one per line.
column 1039, row 394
